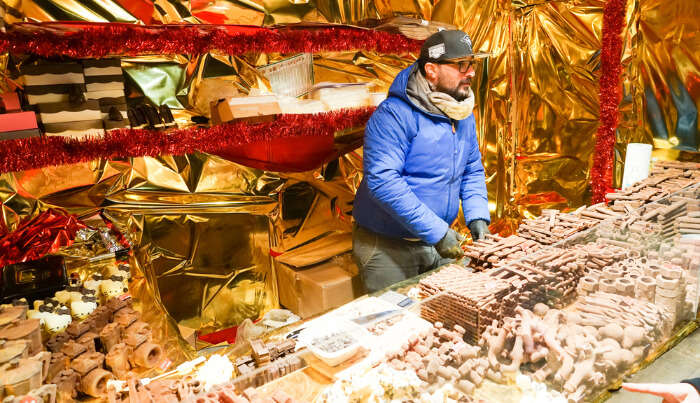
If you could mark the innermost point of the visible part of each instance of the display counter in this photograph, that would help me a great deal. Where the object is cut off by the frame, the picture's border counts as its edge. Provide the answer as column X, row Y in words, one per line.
column 526, row 318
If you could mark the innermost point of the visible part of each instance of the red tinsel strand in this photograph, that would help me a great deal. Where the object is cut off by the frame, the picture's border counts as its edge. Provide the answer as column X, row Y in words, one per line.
column 38, row 152
column 102, row 39
column 34, row 238
column 610, row 92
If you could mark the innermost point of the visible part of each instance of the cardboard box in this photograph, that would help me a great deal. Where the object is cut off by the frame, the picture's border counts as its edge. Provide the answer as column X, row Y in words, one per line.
column 254, row 108
column 189, row 335
column 318, row 288
column 10, row 102
column 317, row 251
column 18, row 125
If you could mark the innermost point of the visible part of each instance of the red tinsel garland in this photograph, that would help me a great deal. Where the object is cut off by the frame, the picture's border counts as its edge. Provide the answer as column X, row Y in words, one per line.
column 38, row 152
column 101, row 39
column 36, row 237
column 610, row 95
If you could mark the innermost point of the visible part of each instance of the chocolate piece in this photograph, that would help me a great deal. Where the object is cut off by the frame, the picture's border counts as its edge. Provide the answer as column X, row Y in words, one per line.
column 79, row 125
column 9, row 314
column 76, row 97
column 56, row 342
column 136, row 118
column 88, row 340
column 77, row 329
column 147, row 355
column 27, row 329
column 87, row 362
column 98, row 95
column 114, row 114
column 260, row 352
column 104, row 83
column 100, row 64
column 58, row 363
column 118, row 359
column 126, row 317
column 50, row 68
column 61, row 112
column 110, row 335
column 167, row 116
column 51, row 90
column 117, row 304
column 72, row 349
column 67, row 385
column 152, row 116
column 94, row 383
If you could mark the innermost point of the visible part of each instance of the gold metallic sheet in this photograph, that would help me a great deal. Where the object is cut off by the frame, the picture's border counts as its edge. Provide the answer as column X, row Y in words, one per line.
column 202, row 230
column 669, row 53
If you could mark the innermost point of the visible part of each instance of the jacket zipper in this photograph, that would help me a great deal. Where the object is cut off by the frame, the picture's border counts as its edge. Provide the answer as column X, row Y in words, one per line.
column 454, row 163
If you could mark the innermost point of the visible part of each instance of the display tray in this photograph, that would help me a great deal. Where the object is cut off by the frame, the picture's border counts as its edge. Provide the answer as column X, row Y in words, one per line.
column 309, row 383
column 661, row 334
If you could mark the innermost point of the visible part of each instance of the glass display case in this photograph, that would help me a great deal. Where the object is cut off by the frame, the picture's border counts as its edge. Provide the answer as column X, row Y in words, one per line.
column 565, row 322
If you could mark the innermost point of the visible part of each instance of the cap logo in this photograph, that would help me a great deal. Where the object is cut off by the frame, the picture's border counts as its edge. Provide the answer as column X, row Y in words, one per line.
column 465, row 39
column 436, row 51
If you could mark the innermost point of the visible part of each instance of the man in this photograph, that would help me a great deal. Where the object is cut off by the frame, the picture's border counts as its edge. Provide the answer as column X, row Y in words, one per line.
column 421, row 157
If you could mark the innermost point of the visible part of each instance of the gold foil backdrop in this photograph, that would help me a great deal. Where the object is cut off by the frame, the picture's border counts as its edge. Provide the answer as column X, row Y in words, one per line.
column 669, row 76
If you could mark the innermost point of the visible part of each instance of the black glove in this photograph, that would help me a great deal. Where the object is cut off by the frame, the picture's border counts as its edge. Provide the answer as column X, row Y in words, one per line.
column 479, row 229
column 448, row 247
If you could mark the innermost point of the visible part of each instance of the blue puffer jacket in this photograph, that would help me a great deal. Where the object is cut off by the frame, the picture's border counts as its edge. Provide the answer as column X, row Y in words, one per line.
column 416, row 169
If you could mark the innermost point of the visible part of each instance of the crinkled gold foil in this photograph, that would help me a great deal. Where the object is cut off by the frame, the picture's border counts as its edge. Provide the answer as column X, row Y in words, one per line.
column 670, row 73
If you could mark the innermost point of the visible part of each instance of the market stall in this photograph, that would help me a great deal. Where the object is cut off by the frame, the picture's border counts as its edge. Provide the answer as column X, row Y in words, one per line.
column 177, row 186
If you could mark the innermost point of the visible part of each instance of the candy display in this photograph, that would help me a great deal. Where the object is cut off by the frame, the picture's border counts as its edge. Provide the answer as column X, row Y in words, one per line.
column 567, row 306
column 577, row 351
column 485, row 253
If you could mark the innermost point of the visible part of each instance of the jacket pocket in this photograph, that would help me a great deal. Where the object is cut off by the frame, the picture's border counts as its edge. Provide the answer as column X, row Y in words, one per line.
column 364, row 246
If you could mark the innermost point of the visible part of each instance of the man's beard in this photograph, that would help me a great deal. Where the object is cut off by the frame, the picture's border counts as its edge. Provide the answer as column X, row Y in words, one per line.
column 459, row 93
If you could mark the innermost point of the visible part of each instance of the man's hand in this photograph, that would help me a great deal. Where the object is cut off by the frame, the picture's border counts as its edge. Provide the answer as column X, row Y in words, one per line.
column 448, row 247
column 479, row 229
column 671, row 393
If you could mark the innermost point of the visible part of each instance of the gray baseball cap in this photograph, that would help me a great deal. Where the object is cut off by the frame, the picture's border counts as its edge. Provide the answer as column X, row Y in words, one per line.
column 449, row 46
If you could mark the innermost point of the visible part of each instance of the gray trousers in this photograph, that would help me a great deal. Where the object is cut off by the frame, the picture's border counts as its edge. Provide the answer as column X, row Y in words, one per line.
column 384, row 261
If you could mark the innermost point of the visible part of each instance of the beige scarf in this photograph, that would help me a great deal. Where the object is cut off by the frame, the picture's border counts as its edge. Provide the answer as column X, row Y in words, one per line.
column 454, row 109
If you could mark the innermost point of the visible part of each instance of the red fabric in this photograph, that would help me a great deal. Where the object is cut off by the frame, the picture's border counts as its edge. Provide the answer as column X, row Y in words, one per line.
column 288, row 143
column 36, row 237
column 80, row 39
column 225, row 335
column 610, row 95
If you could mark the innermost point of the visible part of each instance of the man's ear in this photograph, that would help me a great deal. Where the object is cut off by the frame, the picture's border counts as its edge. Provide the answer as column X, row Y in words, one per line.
column 432, row 72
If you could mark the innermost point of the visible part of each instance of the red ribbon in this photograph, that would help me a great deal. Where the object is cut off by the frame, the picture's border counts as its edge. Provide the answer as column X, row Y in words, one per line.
column 36, row 237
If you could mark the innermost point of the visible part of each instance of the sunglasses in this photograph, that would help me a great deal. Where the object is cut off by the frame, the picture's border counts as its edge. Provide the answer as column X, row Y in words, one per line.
column 463, row 66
